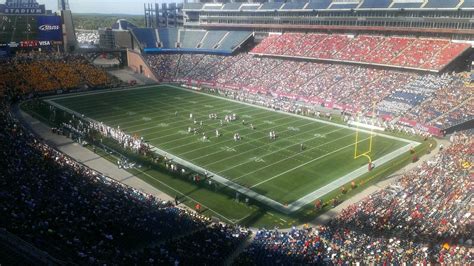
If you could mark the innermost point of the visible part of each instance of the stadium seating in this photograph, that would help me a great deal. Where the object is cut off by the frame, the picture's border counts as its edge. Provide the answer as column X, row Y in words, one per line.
column 467, row 4
column 430, row 54
column 358, row 50
column 146, row 36
column 443, row 102
column 407, row 5
column 168, row 37
column 293, row 5
column 441, row 4
column 212, row 7
column 428, row 206
column 302, row 44
column 331, row 45
column 231, row 6
column 37, row 73
column 318, row 4
column 212, row 38
column 387, row 50
column 457, row 115
column 424, row 217
column 191, row 38
column 445, row 56
column 181, row 40
column 271, row 6
column 375, row 4
column 250, row 7
column 123, row 24
column 233, row 39
column 419, row 52
column 343, row 5
column 337, row 86
column 187, row 62
column 195, row 6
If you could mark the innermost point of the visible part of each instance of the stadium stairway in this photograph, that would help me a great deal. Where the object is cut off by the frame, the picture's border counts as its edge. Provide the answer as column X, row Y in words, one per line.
column 177, row 66
column 218, row 44
column 158, row 243
column 451, row 110
column 400, row 53
column 230, row 260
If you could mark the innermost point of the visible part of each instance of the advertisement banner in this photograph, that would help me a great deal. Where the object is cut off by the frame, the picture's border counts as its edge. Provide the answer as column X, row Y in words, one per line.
column 49, row 28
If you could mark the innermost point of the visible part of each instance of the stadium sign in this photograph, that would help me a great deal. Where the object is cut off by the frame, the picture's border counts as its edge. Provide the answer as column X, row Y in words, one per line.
column 19, row 7
column 21, row 11
column 48, row 27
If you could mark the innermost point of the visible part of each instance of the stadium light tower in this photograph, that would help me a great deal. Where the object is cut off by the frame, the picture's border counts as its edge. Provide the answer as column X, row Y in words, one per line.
column 63, row 5
column 69, row 35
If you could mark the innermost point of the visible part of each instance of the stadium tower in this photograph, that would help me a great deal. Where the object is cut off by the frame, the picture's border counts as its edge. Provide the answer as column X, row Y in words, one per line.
column 69, row 34
column 63, row 5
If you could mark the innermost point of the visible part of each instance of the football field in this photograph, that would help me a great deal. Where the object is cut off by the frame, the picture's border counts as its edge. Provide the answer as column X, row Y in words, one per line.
column 279, row 170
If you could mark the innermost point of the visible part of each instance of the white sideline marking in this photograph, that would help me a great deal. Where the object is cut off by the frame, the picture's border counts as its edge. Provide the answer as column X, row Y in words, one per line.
column 296, row 205
column 294, row 155
column 244, row 143
column 301, row 165
column 273, row 152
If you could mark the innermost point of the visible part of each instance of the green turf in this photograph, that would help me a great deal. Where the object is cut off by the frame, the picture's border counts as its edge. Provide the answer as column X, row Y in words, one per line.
column 277, row 169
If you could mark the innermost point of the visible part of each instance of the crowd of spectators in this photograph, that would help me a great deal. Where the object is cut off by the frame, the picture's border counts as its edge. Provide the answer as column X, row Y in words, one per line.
column 424, row 217
column 443, row 101
column 88, row 38
column 461, row 114
column 419, row 97
column 78, row 215
column 414, row 93
column 44, row 72
column 433, row 54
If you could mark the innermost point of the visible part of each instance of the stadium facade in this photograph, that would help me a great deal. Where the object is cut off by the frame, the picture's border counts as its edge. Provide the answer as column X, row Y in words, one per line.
column 452, row 19
column 226, row 28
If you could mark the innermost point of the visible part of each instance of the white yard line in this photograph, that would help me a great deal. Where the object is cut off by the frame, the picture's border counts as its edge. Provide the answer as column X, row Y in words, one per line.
column 318, row 193
column 243, row 142
column 273, row 152
column 150, row 106
column 295, row 115
column 277, row 162
column 266, row 137
column 306, row 163
column 230, row 125
column 172, row 118
column 188, row 197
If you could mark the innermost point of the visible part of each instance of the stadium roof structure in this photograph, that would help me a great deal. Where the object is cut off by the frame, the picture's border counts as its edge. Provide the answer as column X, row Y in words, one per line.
column 333, row 5
column 123, row 24
column 176, row 40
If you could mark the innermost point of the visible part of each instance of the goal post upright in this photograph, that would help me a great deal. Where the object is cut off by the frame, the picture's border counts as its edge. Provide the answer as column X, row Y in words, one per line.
column 371, row 137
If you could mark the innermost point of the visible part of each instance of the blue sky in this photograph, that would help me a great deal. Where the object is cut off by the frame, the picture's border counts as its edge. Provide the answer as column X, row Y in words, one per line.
column 103, row 6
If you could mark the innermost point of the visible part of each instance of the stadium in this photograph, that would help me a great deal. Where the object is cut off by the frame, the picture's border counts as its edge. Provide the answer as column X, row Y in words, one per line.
column 321, row 132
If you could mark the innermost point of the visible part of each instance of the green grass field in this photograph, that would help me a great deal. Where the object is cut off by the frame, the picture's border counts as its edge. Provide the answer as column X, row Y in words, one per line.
column 278, row 169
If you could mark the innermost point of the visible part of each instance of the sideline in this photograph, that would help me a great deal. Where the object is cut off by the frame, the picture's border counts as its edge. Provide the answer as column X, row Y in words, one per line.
column 287, row 209
column 104, row 166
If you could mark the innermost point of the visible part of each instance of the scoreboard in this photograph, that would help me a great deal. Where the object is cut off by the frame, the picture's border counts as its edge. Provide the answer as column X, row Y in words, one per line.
column 26, row 31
